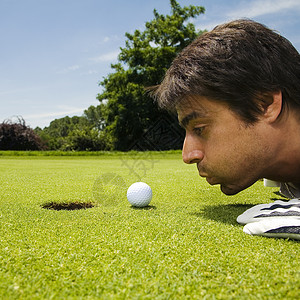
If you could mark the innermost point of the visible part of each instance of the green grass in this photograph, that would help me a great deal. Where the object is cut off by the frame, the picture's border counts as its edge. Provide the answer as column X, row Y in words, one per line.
column 187, row 245
column 84, row 153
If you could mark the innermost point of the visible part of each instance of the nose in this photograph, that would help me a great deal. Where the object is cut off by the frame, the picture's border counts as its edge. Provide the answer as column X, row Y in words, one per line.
column 192, row 151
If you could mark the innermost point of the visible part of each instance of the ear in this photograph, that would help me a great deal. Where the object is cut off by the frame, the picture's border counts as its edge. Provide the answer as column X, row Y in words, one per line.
column 271, row 106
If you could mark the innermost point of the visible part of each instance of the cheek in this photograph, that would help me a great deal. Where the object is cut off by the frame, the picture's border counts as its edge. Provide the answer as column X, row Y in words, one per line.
column 231, row 156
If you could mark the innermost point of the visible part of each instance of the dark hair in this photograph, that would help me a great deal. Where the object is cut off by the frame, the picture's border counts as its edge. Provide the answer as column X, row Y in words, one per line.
column 239, row 62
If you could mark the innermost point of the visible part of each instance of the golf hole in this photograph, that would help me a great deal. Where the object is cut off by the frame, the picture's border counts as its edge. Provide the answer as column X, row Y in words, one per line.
column 67, row 205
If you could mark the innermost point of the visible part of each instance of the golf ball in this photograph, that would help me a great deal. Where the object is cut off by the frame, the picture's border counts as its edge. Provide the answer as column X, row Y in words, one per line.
column 139, row 194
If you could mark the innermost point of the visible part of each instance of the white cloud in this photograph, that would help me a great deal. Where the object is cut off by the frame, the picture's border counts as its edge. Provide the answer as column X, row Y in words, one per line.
column 264, row 7
column 250, row 9
column 54, row 114
column 208, row 26
column 89, row 72
column 69, row 69
column 43, row 118
column 108, row 39
column 20, row 90
column 107, row 57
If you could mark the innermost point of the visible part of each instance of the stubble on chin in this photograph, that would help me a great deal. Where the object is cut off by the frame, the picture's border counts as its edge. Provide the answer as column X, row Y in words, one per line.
column 229, row 191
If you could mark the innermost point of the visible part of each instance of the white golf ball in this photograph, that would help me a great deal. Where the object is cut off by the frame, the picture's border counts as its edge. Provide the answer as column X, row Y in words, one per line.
column 139, row 194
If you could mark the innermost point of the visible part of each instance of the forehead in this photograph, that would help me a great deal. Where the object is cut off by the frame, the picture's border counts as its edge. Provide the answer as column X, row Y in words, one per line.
column 197, row 107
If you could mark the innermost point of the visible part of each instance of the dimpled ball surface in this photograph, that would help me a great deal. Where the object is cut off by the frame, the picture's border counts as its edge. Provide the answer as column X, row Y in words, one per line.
column 139, row 194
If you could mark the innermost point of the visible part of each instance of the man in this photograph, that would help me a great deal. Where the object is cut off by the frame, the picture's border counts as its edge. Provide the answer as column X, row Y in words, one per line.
column 236, row 90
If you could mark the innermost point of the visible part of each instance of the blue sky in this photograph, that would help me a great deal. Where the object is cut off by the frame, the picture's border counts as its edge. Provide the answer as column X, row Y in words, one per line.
column 53, row 53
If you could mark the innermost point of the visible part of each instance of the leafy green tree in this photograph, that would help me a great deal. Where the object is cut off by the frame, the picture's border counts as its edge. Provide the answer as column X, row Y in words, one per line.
column 87, row 139
column 126, row 112
column 61, row 134
column 94, row 116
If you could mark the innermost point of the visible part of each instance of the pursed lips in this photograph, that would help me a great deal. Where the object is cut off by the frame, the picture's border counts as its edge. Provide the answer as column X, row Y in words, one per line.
column 209, row 179
column 201, row 173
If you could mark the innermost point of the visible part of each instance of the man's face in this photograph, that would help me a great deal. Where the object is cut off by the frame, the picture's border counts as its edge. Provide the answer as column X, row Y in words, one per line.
column 226, row 150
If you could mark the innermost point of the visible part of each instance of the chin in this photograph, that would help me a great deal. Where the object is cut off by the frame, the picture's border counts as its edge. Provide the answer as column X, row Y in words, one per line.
column 230, row 191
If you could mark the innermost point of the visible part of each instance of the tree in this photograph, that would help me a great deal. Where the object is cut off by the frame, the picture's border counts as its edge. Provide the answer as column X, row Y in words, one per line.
column 94, row 116
column 87, row 139
column 126, row 112
column 72, row 133
column 16, row 135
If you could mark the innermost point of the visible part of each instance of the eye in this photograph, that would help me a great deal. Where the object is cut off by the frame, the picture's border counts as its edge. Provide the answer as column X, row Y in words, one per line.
column 199, row 130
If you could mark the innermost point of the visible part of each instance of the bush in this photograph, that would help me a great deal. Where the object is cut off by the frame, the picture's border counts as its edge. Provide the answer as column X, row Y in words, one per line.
column 16, row 135
column 87, row 139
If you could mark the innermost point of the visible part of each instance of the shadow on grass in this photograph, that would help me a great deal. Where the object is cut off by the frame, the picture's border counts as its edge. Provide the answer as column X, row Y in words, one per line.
column 277, row 193
column 223, row 213
column 282, row 197
column 149, row 207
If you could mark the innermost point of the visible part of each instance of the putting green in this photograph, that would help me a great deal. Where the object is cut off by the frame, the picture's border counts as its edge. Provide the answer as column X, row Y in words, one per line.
column 185, row 245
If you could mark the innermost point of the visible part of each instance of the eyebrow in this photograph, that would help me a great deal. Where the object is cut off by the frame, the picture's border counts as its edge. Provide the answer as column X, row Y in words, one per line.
column 193, row 115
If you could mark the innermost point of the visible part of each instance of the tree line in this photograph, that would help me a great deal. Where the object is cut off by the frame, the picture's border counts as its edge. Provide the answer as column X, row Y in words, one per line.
column 126, row 117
